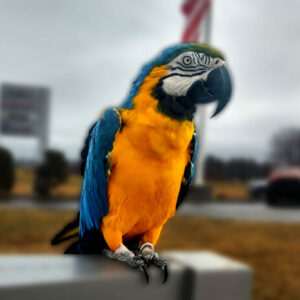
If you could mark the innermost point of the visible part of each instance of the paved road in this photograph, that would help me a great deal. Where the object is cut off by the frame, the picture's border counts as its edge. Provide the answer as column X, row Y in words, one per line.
column 48, row 205
column 256, row 211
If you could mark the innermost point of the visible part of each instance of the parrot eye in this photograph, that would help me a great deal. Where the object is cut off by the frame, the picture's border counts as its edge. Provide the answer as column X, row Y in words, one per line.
column 217, row 61
column 187, row 60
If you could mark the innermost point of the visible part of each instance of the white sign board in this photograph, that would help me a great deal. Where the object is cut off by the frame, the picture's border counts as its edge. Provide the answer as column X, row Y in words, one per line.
column 24, row 110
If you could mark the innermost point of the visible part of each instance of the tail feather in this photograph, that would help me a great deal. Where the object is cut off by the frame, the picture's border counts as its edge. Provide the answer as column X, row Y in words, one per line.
column 72, row 249
column 70, row 231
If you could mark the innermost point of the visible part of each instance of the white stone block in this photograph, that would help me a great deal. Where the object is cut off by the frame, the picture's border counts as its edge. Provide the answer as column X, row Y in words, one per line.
column 193, row 275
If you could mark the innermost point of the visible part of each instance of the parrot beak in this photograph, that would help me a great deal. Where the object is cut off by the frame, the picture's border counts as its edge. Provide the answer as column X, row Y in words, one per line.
column 216, row 87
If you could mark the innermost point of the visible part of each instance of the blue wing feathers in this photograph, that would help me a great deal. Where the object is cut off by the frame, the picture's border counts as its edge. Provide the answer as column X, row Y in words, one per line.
column 93, row 201
column 188, row 172
column 85, row 149
column 194, row 155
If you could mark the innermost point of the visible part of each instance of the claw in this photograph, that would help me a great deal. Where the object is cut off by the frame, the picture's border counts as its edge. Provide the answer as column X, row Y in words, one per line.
column 133, row 260
column 162, row 264
column 144, row 270
column 166, row 273
column 149, row 256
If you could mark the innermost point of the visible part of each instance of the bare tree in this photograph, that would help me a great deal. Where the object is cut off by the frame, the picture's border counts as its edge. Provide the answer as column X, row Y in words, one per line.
column 285, row 146
column 242, row 169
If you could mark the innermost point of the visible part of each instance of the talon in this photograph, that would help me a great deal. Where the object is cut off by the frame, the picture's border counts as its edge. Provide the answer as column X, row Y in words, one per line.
column 166, row 273
column 144, row 270
column 151, row 257
column 133, row 260
column 162, row 264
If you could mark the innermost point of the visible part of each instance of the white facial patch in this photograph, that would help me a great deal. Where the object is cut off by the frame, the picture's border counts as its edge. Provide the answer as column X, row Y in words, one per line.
column 178, row 85
column 187, row 68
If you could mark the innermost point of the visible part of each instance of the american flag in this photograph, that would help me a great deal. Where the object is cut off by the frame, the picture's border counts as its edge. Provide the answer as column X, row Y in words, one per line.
column 194, row 11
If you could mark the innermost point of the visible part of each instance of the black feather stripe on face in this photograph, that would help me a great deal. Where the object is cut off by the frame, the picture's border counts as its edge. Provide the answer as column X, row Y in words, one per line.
column 175, row 107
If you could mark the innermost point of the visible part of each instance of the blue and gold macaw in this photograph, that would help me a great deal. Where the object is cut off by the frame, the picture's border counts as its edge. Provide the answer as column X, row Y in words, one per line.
column 138, row 159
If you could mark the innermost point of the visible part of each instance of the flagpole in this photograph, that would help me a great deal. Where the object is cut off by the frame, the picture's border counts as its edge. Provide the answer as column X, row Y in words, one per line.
column 198, row 27
column 201, row 115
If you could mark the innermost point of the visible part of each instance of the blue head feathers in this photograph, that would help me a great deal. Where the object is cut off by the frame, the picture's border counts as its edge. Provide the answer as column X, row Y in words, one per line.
column 204, row 59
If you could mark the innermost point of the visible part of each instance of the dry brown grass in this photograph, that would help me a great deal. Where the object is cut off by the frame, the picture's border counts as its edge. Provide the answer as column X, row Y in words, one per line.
column 229, row 190
column 24, row 178
column 30, row 231
column 23, row 182
column 71, row 188
column 272, row 249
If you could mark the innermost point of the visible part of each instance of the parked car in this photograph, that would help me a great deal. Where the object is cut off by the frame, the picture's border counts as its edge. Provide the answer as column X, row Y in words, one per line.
column 284, row 186
column 257, row 189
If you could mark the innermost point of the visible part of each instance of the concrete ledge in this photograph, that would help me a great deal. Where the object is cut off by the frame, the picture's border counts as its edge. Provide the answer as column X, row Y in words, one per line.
column 216, row 277
column 193, row 275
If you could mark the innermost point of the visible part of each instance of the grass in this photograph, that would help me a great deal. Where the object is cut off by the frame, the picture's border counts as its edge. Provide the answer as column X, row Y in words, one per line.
column 224, row 190
column 24, row 178
column 23, row 182
column 272, row 249
column 71, row 188
column 30, row 231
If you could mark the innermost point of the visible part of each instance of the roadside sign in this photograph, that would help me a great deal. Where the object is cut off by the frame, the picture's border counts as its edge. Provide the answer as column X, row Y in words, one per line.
column 24, row 110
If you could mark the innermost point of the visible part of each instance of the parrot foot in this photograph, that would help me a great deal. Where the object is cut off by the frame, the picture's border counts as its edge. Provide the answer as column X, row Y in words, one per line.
column 152, row 257
column 122, row 254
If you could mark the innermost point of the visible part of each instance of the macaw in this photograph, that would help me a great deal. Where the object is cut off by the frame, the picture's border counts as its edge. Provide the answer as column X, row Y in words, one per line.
column 138, row 159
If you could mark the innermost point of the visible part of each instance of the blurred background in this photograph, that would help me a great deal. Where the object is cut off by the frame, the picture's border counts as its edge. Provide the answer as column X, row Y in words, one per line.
column 63, row 62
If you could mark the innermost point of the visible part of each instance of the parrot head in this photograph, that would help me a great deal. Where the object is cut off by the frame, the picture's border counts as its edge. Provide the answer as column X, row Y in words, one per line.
column 184, row 76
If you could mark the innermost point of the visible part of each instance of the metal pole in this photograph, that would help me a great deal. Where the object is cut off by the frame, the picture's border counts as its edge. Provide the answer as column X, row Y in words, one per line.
column 43, row 130
column 201, row 115
column 1, row 89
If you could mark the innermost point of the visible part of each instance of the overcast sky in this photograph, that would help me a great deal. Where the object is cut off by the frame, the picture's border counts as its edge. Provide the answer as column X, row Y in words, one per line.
column 88, row 52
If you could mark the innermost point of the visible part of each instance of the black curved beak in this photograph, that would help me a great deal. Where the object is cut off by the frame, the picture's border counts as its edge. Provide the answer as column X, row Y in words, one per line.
column 217, row 87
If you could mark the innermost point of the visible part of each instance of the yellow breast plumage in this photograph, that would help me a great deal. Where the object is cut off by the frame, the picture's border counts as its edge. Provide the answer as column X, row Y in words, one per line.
column 147, row 162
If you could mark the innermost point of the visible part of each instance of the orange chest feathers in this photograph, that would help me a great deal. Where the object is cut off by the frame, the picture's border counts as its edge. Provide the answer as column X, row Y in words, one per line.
column 147, row 165
column 147, row 162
